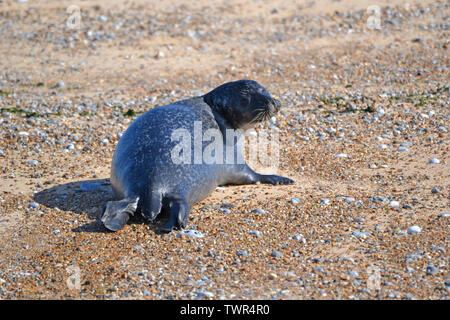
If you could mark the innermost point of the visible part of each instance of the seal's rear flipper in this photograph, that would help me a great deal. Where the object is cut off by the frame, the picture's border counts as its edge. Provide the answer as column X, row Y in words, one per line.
column 117, row 213
column 178, row 215
column 153, row 206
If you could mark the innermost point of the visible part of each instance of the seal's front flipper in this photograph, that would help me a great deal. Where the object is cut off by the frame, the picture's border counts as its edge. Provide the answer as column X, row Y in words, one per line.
column 243, row 174
column 178, row 213
column 117, row 213
column 273, row 179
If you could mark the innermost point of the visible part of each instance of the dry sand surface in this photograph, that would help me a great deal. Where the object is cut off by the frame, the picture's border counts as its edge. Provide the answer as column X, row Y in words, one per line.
column 364, row 112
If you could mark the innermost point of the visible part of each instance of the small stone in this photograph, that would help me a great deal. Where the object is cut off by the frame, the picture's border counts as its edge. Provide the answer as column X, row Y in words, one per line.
column 104, row 141
column 241, row 253
column 324, row 201
column 394, row 204
column 410, row 296
column 190, row 233
column 414, row 230
column 201, row 294
column 434, row 160
column 406, row 144
column 340, row 155
column 276, row 254
column 34, row 205
column 361, row 234
column 431, row 270
column 33, row 162
column 255, row 233
column 295, row 200
column 380, row 198
column 353, row 273
column 290, row 276
column 347, row 199
column 401, row 149
column 444, row 215
column 259, row 211
column 318, row 269
column 435, row 190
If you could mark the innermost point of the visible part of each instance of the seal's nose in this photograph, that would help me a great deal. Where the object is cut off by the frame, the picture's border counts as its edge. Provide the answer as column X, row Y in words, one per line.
column 275, row 105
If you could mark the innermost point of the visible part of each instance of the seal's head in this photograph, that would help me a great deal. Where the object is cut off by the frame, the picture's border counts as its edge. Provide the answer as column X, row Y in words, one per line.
column 242, row 103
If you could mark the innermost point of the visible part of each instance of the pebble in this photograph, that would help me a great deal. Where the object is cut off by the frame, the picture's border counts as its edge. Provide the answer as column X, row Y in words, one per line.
column 33, row 162
column 361, row 234
column 324, row 201
column 34, row 205
column 414, row 230
column 406, row 144
column 431, row 270
column 444, row 215
column 402, row 149
column 190, row 233
column 201, row 294
column 347, row 199
column 295, row 200
column 276, row 254
column 434, row 160
column 380, row 198
column 255, row 233
column 394, row 204
column 340, row 155
column 225, row 210
column 318, row 269
column 259, row 211
column 353, row 273
column 241, row 253
column 435, row 190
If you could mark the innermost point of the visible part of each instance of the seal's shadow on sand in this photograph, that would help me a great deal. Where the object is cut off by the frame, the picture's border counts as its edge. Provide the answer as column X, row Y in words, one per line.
column 84, row 197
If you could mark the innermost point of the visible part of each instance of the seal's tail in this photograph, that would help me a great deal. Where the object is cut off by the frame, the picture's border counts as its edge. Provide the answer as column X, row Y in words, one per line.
column 117, row 213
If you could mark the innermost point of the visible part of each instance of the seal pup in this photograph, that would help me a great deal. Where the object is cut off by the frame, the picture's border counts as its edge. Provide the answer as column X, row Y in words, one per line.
column 144, row 175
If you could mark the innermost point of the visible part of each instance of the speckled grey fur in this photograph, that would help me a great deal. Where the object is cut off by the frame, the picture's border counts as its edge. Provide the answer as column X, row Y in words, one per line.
column 143, row 171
